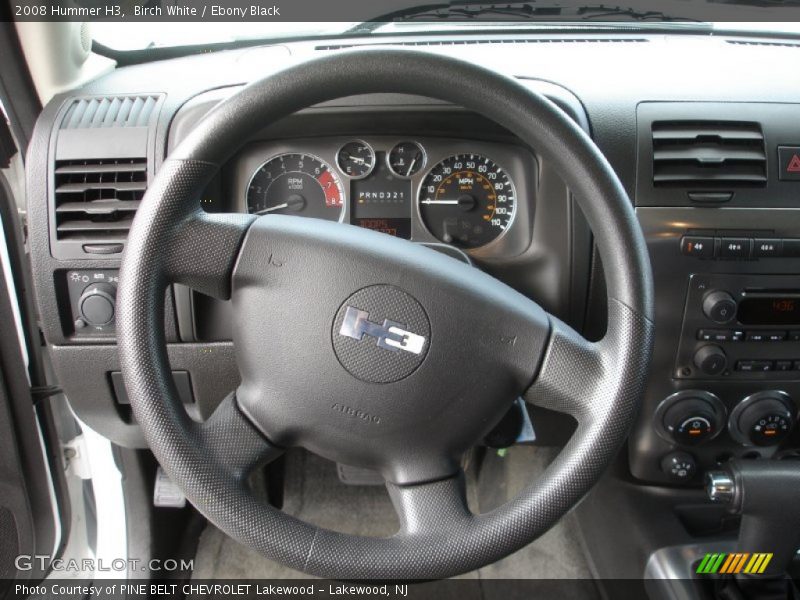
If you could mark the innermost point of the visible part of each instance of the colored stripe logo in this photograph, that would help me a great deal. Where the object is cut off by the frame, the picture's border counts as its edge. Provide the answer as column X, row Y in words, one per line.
column 740, row 562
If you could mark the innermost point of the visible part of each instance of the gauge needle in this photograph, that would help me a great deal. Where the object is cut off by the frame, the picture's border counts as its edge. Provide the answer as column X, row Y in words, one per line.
column 411, row 167
column 270, row 209
column 359, row 161
column 440, row 202
column 293, row 202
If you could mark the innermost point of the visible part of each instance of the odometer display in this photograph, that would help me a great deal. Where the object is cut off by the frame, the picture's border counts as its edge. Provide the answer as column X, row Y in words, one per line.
column 467, row 200
column 296, row 184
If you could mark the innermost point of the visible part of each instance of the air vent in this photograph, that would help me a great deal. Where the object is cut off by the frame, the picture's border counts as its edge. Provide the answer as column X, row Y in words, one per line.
column 708, row 154
column 95, row 200
column 119, row 111
column 475, row 42
column 763, row 43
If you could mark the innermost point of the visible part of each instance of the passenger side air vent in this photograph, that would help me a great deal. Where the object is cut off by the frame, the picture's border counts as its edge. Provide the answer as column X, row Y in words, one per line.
column 120, row 111
column 95, row 200
column 702, row 154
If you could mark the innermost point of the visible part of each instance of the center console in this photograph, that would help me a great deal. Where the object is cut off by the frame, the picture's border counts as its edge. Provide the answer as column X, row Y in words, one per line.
column 721, row 215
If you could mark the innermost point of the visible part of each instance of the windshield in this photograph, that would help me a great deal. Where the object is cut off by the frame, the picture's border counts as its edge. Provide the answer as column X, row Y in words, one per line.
column 138, row 36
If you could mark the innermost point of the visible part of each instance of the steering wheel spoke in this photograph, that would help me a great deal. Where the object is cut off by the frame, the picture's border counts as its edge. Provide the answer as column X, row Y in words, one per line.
column 204, row 250
column 587, row 379
column 571, row 368
column 430, row 508
column 234, row 442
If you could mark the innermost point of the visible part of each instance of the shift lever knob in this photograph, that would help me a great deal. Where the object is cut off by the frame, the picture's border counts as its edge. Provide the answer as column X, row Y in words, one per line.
column 765, row 493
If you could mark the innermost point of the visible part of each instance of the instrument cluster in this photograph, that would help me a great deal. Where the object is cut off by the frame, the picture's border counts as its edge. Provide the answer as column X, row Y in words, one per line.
column 468, row 194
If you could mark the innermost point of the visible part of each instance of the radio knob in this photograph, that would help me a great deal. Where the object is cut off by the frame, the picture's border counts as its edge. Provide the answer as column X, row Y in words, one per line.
column 719, row 306
column 97, row 304
column 711, row 360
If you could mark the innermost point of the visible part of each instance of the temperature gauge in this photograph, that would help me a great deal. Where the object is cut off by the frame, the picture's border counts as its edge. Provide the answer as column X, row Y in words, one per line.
column 406, row 159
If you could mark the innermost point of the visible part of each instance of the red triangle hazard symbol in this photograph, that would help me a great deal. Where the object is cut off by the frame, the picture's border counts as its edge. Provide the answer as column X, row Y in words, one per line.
column 794, row 164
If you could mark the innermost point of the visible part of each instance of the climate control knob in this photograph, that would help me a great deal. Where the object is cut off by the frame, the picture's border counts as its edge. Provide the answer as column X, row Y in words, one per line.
column 691, row 421
column 711, row 360
column 719, row 306
column 690, row 417
column 763, row 419
column 97, row 304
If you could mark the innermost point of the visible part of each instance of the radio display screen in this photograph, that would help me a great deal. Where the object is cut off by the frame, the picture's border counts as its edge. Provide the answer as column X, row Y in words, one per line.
column 769, row 310
column 382, row 201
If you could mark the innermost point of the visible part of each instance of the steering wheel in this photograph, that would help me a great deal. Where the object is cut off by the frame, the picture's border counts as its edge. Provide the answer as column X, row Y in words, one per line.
column 374, row 351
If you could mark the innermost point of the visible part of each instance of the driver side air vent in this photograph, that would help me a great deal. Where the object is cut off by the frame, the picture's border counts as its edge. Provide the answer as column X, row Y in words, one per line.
column 95, row 200
column 115, row 111
column 703, row 154
column 101, row 163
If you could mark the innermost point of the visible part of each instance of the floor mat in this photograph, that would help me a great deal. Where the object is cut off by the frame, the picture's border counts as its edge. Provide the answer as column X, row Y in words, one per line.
column 317, row 496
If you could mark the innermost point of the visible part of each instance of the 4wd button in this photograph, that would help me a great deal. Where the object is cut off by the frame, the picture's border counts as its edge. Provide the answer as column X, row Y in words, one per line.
column 699, row 247
column 735, row 247
column 789, row 163
column 767, row 248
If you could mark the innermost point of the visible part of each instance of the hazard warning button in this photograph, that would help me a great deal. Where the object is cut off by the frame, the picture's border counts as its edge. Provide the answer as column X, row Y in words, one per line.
column 789, row 162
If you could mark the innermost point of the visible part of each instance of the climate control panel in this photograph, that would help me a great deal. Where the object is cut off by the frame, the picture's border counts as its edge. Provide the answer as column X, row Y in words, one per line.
column 759, row 425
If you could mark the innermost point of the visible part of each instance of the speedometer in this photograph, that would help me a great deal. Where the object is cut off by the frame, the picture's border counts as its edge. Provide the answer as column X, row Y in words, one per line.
column 296, row 184
column 467, row 200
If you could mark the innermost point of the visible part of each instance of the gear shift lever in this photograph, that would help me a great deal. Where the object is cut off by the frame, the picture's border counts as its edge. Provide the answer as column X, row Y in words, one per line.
column 766, row 493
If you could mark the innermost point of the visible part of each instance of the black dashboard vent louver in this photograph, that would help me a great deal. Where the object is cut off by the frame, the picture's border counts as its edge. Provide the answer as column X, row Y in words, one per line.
column 95, row 200
column 708, row 154
column 474, row 42
column 117, row 111
column 763, row 43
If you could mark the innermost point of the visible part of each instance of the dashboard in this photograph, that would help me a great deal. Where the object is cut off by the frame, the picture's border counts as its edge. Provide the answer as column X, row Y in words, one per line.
column 703, row 132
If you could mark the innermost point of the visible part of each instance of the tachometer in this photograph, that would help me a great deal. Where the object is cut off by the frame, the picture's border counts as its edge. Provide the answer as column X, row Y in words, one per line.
column 296, row 184
column 467, row 200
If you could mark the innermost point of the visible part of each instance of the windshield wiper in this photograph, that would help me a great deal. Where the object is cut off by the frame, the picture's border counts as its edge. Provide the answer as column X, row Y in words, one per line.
column 466, row 10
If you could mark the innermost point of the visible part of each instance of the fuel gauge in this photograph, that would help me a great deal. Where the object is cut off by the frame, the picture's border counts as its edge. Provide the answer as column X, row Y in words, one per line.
column 356, row 159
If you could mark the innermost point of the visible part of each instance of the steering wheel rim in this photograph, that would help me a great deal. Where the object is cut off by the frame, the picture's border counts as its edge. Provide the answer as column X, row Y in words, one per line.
column 173, row 241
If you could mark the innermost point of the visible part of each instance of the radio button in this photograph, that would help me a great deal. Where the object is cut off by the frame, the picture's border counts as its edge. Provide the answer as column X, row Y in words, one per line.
column 776, row 336
column 783, row 365
column 755, row 366
column 794, row 336
column 735, row 247
column 797, row 365
column 719, row 335
column 767, row 248
column 756, row 336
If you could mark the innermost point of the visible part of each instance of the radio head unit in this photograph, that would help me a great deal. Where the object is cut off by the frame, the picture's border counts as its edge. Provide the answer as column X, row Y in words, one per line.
column 740, row 327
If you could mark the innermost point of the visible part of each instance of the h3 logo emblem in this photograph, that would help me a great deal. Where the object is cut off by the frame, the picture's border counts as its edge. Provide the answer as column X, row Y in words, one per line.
column 389, row 335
